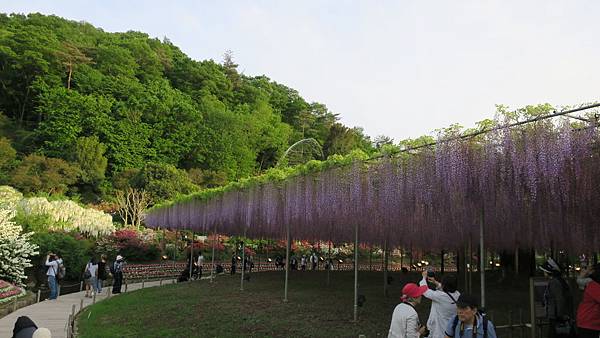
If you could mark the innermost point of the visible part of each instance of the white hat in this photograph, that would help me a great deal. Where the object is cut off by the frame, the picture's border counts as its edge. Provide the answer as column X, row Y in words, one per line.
column 42, row 332
column 119, row 257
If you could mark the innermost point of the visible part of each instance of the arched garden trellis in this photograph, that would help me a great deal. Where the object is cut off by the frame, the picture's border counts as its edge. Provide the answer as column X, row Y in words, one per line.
column 536, row 183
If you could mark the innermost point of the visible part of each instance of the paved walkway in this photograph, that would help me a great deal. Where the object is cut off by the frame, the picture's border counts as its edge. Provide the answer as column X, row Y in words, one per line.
column 54, row 314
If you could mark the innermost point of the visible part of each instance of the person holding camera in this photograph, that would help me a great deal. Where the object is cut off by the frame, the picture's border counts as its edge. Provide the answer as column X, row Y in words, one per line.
column 53, row 263
column 443, row 302
column 405, row 319
column 470, row 321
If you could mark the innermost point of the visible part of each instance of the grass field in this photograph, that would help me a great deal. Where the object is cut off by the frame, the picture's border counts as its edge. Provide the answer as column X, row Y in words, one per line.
column 201, row 309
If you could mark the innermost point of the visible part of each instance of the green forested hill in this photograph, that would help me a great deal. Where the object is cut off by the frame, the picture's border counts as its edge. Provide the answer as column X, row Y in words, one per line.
column 84, row 112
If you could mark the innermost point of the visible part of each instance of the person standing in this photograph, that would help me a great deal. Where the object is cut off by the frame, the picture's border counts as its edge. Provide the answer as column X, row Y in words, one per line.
column 101, row 273
column 53, row 265
column 233, row 264
column 558, row 301
column 117, row 271
column 468, row 322
column 199, row 264
column 443, row 303
column 405, row 319
column 90, row 275
column 314, row 260
column 303, row 263
column 588, row 312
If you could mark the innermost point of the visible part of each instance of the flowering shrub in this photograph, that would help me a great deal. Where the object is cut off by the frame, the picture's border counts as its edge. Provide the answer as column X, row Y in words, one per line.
column 9, row 197
column 8, row 292
column 15, row 249
column 129, row 243
column 68, row 215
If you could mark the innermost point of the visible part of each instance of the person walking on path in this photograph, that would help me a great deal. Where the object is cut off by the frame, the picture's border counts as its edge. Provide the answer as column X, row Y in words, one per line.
column 558, row 301
column 303, row 263
column 443, row 303
column 90, row 275
column 117, row 271
column 405, row 319
column 101, row 273
column 588, row 312
column 469, row 322
column 53, row 265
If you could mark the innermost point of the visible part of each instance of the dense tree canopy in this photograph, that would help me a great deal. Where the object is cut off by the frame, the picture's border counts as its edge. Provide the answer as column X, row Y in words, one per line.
column 109, row 103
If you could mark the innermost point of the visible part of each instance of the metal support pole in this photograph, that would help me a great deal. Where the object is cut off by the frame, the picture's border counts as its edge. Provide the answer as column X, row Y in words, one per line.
column 482, row 257
column 532, row 306
column 212, row 271
column 329, row 262
column 385, row 268
column 287, row 262
column 191, row 256
column 442, row 262
column 470, row 268
column 517, row 261
column 243, row 266
column 356, row 272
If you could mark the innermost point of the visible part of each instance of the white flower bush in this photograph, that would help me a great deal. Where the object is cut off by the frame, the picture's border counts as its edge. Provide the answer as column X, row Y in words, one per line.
column 15, row 249
column 66, row 214
column 69, row 216
column 9, row 197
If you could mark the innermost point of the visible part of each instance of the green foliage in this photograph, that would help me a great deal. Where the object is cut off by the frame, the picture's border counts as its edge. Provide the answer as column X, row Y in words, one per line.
column 39, row 173
column 8, row 156
column 75, row 92
column 89, row 154
column 163, row 181
column 74, row 251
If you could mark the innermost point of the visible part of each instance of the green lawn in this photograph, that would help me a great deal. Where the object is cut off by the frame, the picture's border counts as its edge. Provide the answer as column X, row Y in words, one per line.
column 199, row 309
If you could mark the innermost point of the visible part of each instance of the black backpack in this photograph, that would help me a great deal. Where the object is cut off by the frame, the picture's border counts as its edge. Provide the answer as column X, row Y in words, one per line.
column 484, row 323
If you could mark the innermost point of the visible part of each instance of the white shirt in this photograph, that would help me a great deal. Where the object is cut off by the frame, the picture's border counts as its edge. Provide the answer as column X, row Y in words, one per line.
column 93, row 269
column 443, row 309
column 200, row 260
column 52, row 267
column 405, row 322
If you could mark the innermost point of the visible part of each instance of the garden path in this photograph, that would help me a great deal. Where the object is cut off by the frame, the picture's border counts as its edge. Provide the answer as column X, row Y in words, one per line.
column 54, row 315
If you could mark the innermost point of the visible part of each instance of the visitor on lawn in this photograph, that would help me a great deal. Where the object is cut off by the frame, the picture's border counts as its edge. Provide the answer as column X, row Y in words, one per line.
column 52, row 262
column 405, row 319
column 469, row 322
column 101, row 273
column 233, row 263
column 558, row 301
column 90, row 275
column 443, row 303
column 117, row 271
column 303, row 262
column 588, row 312
column 200, row 263
column 314, row 260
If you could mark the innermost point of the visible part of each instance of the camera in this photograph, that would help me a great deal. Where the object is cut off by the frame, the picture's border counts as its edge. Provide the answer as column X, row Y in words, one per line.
column 430, row 273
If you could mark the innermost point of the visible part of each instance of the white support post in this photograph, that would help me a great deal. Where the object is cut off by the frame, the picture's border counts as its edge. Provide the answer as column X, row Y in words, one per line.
column 356, row 272
column 482, row 257
column 287, row 262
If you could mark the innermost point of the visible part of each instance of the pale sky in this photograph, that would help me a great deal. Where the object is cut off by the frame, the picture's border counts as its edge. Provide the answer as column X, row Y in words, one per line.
column 399, row 68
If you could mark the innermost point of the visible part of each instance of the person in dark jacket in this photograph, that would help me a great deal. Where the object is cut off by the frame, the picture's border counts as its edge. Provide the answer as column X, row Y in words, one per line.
column 101, row 273
column 558, row 300
column 117, row 271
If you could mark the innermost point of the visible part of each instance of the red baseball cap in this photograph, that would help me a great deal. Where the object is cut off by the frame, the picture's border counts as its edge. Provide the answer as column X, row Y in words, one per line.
column 412, row 290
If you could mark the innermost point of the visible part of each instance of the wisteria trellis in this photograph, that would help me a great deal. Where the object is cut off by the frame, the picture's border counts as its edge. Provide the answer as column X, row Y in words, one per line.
column 537, row 185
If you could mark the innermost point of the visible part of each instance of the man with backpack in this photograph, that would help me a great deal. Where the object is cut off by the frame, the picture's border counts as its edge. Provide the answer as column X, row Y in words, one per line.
column 53, row 263
column 469, row 322
column 117, row 271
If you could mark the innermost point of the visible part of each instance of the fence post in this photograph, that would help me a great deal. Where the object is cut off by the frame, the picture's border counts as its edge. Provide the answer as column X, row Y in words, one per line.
column 510, row 324
column 39, row 295
column 15, row 304
column 109, row 291
column 81, row 305
column 532, row 306
column 69, row 329
column 81, row 286
column 160, row 283
column 126, row 284
column 94, row 299
column 143, row 281
column 57, row 290
column 521, row 323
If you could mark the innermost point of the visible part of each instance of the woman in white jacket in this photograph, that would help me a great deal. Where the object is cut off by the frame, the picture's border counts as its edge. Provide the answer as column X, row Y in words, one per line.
column 443, row 303
column 405, row 319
